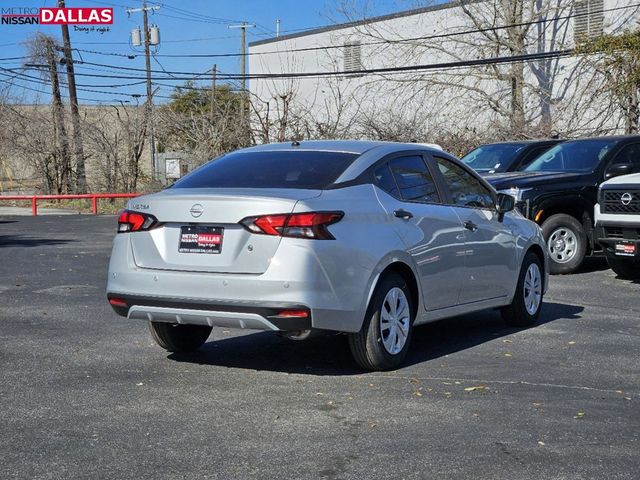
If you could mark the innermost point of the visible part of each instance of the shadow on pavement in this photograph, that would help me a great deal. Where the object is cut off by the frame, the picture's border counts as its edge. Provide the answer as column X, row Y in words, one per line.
column 330, row 354
column 592, row 264
column 22, row 241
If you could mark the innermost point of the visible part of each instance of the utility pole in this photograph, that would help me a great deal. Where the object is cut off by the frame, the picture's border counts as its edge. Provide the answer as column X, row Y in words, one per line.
column 81, row 176
column 214, row 73
column 243, row 68
column 58, row 115
column 147, row 54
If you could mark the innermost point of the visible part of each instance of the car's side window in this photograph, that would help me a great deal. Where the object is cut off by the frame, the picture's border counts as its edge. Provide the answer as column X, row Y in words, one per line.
column 629, row 155
column 385, row 180
column 414, row 180
column 531, row 156
column 465, row 189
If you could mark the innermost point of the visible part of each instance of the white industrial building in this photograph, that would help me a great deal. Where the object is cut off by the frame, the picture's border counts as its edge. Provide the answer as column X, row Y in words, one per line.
column 560, row 93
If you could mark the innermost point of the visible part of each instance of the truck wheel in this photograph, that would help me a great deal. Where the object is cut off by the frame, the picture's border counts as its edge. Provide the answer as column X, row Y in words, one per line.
column 383, row 341
column 527, row 301
column 179, row 338
column 566, row 243
column 625, row 269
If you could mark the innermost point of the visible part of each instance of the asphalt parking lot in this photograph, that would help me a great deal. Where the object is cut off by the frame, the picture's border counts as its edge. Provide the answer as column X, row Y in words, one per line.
column 87, row 394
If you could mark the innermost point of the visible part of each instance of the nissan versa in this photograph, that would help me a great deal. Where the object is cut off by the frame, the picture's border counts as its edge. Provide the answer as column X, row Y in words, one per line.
column 364, row 238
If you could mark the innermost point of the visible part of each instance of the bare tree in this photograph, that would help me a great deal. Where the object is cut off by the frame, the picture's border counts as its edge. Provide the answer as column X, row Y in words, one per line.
column 201, row 122
column 616, row 59
column 118, row 138
column 42, row 51
column 531, row 98
column 35, row 145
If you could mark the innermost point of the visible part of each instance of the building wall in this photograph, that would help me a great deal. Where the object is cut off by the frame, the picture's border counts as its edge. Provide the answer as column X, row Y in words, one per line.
column 447, row 99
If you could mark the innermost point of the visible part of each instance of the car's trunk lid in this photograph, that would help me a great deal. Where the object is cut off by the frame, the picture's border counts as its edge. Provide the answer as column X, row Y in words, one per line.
column 241, row 251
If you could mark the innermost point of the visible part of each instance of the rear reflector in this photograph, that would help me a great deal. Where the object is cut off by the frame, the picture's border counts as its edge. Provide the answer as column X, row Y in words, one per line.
column 292, row 314
column 312, row 225
column 116, row 302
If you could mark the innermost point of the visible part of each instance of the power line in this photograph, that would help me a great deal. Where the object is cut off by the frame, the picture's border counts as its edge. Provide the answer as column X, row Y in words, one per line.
column 390, row 42
column 382, row 70
column 36, row 80
column 45, row 93
column 186, row 12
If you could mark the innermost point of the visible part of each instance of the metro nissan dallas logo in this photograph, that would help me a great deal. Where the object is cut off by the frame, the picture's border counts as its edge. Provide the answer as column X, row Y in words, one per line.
column 56, row 16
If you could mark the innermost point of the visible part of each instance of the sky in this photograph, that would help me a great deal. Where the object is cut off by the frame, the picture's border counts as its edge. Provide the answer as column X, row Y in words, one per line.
column 186, row 27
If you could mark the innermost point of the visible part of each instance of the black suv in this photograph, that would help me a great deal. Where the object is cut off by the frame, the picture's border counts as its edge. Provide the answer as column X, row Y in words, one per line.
column 506, row 156
column 559, row 189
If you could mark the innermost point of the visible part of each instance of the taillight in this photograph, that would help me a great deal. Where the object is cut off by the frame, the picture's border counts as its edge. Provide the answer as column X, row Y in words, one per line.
column 135, row 221
column 311, row 225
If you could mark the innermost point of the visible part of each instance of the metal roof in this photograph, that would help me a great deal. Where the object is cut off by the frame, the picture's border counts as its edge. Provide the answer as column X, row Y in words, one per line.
column 365, row 21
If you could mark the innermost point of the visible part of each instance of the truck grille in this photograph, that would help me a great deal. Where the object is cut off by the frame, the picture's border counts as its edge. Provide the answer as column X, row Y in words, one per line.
column 613, row 232
column 622, row 233
column 620, row 201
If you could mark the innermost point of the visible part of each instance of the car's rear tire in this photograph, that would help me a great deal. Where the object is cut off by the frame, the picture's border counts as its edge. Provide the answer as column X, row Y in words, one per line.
column 383, row 341
column 525, row 308
column 179, row 338
column 625, row 269
column 566, row 243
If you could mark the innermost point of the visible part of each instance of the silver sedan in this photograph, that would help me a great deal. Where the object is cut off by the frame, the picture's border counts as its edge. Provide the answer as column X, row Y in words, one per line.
column 365, row 238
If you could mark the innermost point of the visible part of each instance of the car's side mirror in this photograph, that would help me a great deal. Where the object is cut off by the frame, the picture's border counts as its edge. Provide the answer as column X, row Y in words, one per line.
column 506, row 203
column 618, row 169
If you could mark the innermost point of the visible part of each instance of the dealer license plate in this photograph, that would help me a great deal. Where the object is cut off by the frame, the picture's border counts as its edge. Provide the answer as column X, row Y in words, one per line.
column 200, row 239
column 626, row 249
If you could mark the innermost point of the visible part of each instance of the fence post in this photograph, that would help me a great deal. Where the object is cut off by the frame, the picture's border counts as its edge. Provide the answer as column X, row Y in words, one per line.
column 34, row 206
column 94, row 204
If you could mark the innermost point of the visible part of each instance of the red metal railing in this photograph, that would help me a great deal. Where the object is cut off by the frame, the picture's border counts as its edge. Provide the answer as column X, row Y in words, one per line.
column 93, row 196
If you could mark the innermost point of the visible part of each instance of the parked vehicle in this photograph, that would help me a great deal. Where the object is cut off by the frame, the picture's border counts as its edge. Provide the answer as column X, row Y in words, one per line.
column 506, row 156
column 558, row 190
column 617, row 217
column 365, row 238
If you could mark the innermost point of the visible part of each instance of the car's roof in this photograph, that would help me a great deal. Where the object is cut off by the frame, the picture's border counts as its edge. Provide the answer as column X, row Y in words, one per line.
column 526, row 142
column 348, row 146
column 604, row 137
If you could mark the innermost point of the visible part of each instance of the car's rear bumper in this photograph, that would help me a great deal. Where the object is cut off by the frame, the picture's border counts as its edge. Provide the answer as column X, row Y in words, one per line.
column 230, row 315
column 330, row 286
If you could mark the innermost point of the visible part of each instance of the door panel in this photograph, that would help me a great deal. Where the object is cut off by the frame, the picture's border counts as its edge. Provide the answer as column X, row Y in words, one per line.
column 434, row 238
column 489, row 251
column 490, row 255
column 431, row 231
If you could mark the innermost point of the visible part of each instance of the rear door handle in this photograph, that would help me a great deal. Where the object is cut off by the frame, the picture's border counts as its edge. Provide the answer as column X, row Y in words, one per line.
column 403, row 214
column 469, row 225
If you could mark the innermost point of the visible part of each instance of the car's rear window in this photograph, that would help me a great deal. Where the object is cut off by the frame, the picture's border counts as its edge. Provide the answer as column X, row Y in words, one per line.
column 275, row 169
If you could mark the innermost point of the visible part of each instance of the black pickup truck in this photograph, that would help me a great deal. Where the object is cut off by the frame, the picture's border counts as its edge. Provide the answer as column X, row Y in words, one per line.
column 559, row 189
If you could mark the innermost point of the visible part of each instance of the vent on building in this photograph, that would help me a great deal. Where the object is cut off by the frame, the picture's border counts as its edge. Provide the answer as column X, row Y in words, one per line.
column 352, row 56
column 588, row 20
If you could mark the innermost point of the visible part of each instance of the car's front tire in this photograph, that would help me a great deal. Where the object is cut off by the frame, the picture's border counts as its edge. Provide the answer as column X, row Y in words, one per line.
column 383, row 341
column 179, row 338
column 566, row 243
column 625, row 269
column 525, row 308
